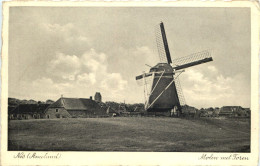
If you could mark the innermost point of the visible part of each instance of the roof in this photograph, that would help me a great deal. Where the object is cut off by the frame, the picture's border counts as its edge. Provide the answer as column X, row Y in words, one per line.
column 247, row 109
column 229, row 107
column 229, row 110
column 75, row 104
column 111, row 110
column 57, row 104
column 29, row 108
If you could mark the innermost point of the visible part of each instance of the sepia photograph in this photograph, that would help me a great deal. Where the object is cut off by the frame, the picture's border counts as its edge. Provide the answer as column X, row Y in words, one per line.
column 129, row 79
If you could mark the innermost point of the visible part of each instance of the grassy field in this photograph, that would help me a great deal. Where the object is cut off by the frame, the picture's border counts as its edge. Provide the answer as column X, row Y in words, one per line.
column 143, row 134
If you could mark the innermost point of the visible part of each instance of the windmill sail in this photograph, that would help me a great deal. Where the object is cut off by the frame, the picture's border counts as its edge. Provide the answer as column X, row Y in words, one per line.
column 146, row 80
column 143, row 75
column 179, row 91
column 162, row 89
column 192, row 60
column 162, row 44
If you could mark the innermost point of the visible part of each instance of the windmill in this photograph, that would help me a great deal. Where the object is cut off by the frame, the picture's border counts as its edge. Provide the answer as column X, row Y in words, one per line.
column 162, row 89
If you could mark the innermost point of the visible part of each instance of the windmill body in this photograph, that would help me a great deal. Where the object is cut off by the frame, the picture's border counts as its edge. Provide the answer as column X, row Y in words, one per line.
column 162, row 78
column 165, row 92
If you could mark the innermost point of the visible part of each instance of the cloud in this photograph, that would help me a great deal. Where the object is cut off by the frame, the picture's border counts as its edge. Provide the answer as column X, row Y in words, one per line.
column 146, row 55
column 71, row 59
column 88, row 71
column 212, row 68
column 67, row 38
column 201, row 90
column 52, row 86
column 65, row 66
column 43, row 89
column 35, row 46
column 94, row 62
column 67, row 32
column 54, row 28
column 86, row 78
column 114, row 82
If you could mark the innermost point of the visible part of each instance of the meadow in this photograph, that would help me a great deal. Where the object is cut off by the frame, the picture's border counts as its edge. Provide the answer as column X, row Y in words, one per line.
column 143, row 134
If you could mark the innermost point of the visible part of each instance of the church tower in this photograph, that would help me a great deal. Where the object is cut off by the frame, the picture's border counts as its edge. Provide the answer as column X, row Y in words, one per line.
column 98, row 97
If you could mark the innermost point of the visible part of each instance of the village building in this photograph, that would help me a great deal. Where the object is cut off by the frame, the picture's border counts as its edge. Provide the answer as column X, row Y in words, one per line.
column 216, row 111
column 189, row 111
column 122, row 108
column 28, row 111
column 247, row 111
column 74, row 108
column 242, row 112
column 227, row 111
column 203, row 112
column 233, row 111
column 111, row 112
column 209, row 112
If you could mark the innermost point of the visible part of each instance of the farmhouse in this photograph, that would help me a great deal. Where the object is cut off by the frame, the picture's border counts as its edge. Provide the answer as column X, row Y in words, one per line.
column 234, row 111
column 74, row 108
column 28, row 111
column 226, row 111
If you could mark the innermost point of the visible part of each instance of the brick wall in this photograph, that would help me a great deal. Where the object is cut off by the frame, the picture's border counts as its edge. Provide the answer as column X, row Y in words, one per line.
column 53, row 113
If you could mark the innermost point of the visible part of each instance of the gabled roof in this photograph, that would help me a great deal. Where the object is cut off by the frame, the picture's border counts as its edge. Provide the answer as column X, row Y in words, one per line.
column 111, row 110
column 75, row 104
column 29, row 108
column 57, row 104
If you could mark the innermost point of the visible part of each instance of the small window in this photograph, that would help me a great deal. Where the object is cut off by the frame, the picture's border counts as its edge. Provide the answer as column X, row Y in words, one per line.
column 57, row 110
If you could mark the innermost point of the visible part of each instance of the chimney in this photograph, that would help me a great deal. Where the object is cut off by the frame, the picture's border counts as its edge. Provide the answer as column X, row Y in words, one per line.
column 90, row 97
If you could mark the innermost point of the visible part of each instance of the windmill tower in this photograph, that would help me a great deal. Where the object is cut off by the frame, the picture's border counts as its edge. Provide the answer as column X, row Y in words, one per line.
column 162, row 88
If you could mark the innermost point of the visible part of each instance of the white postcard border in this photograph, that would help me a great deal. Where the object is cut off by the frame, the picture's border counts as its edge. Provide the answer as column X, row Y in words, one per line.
column 133, row 158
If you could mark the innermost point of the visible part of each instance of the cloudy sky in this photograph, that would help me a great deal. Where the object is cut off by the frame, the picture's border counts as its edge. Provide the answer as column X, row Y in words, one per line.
column 76, row 51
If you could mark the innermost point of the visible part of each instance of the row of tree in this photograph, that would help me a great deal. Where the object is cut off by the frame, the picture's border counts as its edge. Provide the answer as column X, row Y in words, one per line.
column 138, row 107
column 13, row 102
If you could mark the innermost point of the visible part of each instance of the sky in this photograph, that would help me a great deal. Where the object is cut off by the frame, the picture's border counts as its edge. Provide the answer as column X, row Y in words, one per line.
column 77, row 51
